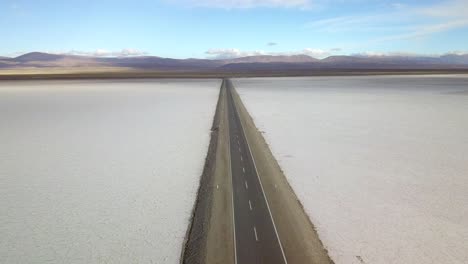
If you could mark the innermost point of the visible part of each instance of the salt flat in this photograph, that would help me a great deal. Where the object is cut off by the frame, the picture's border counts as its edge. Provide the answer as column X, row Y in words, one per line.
column 379, row 163
column 100, row 171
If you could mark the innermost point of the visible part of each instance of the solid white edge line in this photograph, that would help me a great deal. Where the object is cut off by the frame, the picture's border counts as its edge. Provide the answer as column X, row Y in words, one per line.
column 261, row 185
column 255, row 232
column 230, row 172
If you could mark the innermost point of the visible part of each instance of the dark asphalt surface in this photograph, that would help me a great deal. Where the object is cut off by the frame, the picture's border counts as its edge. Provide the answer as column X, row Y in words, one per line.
column 256, row 239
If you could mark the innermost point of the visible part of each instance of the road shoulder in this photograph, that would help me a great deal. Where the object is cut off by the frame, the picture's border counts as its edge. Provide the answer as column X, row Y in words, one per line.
column 298, row 236
column 210, row 235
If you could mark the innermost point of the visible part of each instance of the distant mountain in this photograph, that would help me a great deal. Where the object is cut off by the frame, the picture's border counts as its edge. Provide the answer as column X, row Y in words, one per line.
column 38, row 56
column 396, row 60
column 151, row 62
column 41, row 60
column 264, row 63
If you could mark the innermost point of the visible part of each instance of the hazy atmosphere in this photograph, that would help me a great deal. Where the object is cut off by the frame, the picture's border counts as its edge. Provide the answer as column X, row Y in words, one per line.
column 225, row 29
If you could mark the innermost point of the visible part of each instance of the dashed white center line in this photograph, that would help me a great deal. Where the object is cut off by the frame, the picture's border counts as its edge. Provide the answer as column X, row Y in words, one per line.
column 250, row 205
column 246, row 185
column 255, row 232
column 240, row 149
column 217, row 186
column 243, row 169
column 241, row 158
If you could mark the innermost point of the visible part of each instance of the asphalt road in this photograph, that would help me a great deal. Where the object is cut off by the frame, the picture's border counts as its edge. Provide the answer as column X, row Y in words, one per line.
column 255, row 234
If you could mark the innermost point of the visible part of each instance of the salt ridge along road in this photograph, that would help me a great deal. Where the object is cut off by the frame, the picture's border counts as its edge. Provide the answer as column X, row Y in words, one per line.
column 256, row 237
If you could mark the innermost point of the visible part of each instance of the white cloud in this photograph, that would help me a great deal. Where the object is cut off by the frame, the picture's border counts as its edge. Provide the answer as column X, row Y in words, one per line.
column 392, row 54
column 132, row 52
column 232, row 53
column 319, row 53
column 105, row 53
column 272, row 44
column 232, row 4
column 457, row 52
column 316, row 53
column 406, row 54
column 236, row 53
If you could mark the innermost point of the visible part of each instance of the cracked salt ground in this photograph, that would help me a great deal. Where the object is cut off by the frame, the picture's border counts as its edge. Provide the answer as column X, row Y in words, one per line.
column 90, row 171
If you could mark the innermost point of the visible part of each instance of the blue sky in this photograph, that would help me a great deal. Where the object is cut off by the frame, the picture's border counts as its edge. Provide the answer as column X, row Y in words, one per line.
column 231, row 28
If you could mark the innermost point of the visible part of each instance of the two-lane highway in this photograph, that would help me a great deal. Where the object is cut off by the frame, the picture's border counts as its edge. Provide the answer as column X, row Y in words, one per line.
column 255, row 234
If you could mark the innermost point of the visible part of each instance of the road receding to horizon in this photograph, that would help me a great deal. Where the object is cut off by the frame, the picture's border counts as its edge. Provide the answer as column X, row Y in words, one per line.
column 254, row 217
column 256, row 237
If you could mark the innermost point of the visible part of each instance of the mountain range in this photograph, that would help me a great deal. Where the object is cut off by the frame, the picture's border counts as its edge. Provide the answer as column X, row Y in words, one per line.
column 263, row 63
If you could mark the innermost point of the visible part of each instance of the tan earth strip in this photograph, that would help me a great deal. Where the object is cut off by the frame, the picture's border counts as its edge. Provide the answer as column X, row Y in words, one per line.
column 298, row 236
column 209, row 237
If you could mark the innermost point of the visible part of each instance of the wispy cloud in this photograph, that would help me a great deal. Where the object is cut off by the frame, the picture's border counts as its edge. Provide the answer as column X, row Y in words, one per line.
column 272, row 44
column 451, row 9
column 236, row 53
column 400, row 21
column 239, row 4
column 425, row 30
column 363, row 22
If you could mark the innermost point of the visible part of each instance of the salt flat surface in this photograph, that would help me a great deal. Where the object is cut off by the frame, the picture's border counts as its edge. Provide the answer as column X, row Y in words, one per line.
column 379, row 163
column 100, row 172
